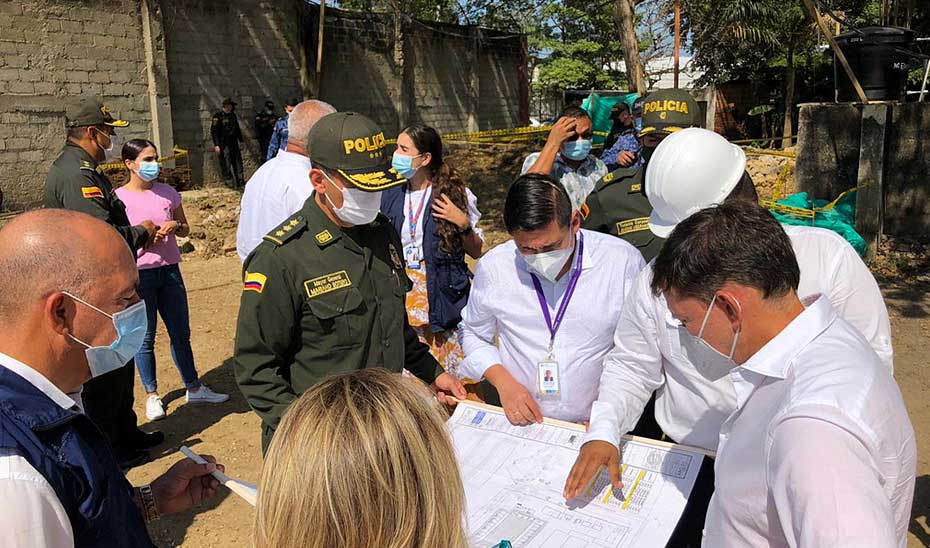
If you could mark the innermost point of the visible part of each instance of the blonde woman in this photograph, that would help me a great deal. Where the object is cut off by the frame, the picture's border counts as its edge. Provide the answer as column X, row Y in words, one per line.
column 361, row 460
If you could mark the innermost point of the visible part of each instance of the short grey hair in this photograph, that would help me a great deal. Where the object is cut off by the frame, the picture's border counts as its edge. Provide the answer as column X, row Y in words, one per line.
column 304, row 116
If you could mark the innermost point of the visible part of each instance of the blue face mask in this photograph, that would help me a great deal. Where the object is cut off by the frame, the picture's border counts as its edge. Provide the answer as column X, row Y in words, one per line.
column 577, row 149
column 130, row 331
column 403, row 164
column 148, row 171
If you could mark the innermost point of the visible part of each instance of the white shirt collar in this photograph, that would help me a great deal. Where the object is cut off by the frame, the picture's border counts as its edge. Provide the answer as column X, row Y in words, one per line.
column 774, row 359
column 39, row 381
column 286, row 156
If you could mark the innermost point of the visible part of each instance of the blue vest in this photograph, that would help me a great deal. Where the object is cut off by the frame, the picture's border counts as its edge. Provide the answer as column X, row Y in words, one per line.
column 71, row 453
column 448, row 279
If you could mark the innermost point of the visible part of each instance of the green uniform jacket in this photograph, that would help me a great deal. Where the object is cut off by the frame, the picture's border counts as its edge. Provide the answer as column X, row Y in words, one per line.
column 618, row 206
column 76, row 182
column 319, row 300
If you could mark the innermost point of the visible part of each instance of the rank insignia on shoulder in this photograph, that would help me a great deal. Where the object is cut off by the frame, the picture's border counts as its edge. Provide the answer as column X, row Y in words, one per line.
column 91, row 192
column 638, row 187
column 609, row 177
column 324, row 237
column 585, row 211
column 88, row 166
column 286, row 230
column 254, row 281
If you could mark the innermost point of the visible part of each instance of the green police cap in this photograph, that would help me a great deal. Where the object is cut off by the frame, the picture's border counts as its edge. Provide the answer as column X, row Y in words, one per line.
column 354, row 146
column 90, row 111
column 668, row 110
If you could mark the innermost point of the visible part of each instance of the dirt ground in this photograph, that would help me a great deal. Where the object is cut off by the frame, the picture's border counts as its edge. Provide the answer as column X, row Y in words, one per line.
column 230, row 431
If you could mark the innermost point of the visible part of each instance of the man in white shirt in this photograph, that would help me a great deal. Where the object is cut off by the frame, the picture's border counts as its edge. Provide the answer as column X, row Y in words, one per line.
column 653, row 351
column 819, row 451
column 279, row 188
column 566, row 157
column 552, row 297
column 70, row 311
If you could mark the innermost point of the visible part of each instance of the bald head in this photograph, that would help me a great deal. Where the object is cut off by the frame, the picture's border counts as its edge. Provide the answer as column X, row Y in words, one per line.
column 50, row 250
column 304, row 116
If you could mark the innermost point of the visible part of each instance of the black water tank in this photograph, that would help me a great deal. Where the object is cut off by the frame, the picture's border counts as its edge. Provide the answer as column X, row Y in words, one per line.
column 878, row 57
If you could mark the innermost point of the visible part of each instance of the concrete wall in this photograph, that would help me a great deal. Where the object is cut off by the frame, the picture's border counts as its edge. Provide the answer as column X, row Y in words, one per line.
column 829, row 149
column 50, row 50
column 247, row 50
column 166, row 66
column 454, row 78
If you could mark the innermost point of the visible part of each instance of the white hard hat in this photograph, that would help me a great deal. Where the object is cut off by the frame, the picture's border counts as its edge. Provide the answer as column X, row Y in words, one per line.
column 690, row 170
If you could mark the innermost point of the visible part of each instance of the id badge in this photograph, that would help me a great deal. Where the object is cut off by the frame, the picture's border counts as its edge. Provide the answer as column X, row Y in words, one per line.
column 548, row 377
column 412, row 256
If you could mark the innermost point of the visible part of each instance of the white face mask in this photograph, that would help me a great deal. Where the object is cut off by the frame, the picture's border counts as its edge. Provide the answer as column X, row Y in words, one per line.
column 549, row 264
column 110, row 151
column 358, row 207
column 710, row 362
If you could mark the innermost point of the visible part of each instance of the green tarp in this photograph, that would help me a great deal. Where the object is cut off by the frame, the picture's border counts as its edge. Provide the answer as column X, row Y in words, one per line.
column 599, row 108
column 840, row 219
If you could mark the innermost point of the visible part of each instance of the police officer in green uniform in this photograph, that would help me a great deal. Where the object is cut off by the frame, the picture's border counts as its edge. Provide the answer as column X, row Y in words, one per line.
column 76, row 182
column 227, row 135
column 618, row 204
column 324, row 292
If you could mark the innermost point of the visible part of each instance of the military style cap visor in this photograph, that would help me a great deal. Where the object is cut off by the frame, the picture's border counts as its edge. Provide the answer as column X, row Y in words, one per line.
column 354, row 146
column 90, row 112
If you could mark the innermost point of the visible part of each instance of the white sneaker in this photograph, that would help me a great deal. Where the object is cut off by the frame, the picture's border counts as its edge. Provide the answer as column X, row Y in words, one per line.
column 154, row 408
column 205, row 395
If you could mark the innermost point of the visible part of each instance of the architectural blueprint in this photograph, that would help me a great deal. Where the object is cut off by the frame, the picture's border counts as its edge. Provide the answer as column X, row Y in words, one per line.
column 513, row 477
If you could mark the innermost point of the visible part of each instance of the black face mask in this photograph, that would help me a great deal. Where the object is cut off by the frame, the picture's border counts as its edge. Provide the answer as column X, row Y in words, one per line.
column 647, row 153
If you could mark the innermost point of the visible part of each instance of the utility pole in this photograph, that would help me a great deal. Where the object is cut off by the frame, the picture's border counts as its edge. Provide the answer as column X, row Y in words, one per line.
column 319, row 49
column 677, row 37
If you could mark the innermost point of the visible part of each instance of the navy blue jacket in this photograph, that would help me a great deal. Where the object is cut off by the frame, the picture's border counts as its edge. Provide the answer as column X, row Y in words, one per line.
column 448, row 279
column 71, row 453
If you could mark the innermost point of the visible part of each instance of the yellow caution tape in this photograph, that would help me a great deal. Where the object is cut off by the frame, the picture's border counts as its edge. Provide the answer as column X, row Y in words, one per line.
column 176, row 153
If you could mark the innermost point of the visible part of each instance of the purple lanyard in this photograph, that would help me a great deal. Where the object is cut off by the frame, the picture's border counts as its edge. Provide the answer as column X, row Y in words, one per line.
column 560, row 314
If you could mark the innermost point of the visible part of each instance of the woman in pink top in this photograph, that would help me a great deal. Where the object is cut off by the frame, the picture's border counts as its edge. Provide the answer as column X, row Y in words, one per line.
column 160, row 282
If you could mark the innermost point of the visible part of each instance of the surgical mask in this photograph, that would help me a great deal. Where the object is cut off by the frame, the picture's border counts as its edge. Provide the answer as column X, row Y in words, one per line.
column 577, row 149
column 403, row 164
column 710, row 362
column 550, row 263
column 130, row 327
column 148, row 171
column 358, row 207
column 110, row 151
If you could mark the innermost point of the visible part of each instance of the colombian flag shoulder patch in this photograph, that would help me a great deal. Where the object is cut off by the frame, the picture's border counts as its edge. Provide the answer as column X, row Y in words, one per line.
column 254, row 282
column 91, row 192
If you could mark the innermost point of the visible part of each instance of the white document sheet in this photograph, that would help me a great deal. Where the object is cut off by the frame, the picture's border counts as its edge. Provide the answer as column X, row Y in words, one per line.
column 513, row 477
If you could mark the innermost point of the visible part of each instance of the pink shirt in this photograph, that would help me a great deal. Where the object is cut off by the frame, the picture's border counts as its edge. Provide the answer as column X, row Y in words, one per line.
column 157, row 205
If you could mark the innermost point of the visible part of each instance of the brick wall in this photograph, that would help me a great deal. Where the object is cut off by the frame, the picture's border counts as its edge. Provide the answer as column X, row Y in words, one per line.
column 51, row 50
column 455, row 78
column 452, row 76
column 245, row 49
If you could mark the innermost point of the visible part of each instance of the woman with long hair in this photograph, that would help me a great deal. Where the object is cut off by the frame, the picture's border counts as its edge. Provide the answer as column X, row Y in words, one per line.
column 437, row 217
column 361, row 460
column 160, row 283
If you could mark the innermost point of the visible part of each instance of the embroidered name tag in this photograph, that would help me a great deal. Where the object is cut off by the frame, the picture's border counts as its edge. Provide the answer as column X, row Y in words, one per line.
column 327, row 283
column 632, row 225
